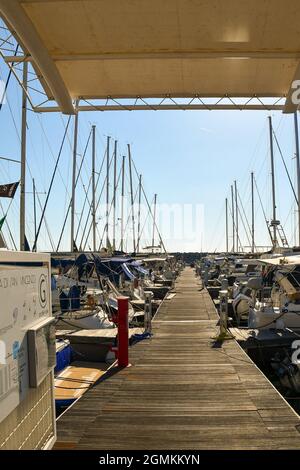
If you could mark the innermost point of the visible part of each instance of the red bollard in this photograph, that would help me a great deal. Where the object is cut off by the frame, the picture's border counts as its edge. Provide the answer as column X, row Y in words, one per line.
column 123, row 331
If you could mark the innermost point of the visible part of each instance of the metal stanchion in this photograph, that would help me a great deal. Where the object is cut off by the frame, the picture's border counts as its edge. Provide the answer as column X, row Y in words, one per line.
column 223, row 333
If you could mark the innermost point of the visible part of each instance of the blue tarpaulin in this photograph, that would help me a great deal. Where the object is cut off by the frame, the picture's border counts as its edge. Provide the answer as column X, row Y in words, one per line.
column 113, row 268
column 130, row 276
column 142, row 270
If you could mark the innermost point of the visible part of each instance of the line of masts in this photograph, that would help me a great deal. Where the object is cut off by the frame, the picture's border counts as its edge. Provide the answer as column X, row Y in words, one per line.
column 94, row 181
column 274, row 225
column 112, row 197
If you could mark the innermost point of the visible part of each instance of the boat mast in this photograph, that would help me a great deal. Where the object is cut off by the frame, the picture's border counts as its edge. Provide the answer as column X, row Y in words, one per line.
column 107, row 189
column 122, row 202
column 154, row 221
column 115, row 195
column 139, row 214
column 226, row 223
column 274, row 220
column 34, row 208
column 131, row 196
column 74, row 180
column 94, row 186
column 298, row 169
column 236, row 216
column 23, row 156
column 233, row 224
column 252, row 211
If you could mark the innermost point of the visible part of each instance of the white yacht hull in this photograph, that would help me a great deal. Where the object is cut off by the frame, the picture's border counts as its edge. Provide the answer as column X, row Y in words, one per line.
column 272, row 317
column 86, row 321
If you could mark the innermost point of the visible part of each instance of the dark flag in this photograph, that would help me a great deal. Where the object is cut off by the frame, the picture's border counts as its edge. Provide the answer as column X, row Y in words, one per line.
column 8, row 190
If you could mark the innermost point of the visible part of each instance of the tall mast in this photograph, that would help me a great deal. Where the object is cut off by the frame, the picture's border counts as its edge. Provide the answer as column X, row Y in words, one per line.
column 107, row 189
column 274, row 220
column 23, row 157
column 233, row 224
column 298, row 170
column 94, row 186
column 122, row 202
column 252, row 212
column 154, row 221
column 226, row 223
column 236, row 216
column 132, row 200
column 74, row 180
column 115, row 195
column 139, row 215
column 34, row 210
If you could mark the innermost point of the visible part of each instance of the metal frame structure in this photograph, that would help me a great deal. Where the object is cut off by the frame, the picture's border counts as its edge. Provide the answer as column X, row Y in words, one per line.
column 35, row 86
column 58, row 100
column 171, row 103
column 24, row 32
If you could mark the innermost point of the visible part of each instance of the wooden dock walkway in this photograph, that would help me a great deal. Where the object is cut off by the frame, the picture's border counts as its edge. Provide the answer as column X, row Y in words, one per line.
column 183, row 391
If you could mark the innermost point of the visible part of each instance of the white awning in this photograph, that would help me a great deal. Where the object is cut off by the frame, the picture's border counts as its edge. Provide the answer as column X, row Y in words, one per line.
column 91, row 49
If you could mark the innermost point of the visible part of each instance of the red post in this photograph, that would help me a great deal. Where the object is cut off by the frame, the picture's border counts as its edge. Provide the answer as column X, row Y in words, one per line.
column 122, row 331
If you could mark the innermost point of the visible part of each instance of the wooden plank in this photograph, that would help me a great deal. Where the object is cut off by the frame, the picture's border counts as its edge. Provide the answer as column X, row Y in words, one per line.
column 74, row 381
column 182, row 390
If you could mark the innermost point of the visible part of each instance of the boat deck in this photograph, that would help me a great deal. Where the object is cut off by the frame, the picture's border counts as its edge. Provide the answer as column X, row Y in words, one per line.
column 182, row 391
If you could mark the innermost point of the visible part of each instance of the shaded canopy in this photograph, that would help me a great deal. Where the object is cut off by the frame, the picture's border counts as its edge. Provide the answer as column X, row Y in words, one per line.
column 91, row 49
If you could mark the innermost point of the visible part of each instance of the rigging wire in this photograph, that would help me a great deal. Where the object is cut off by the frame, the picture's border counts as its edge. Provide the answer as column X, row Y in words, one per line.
column 263, row 210
column 129, row 216
column 8, row 227
column 29, row 169
column 1, row 104
column 239, row 240
column 51, row 151
column 247, row 235
column 109, row 212
column 97, row 205
column 245, row 219
column 51, row 184
column 8, row 80
column 286, row 168
column 150, row 210
column 143, row 227
column 77, row 177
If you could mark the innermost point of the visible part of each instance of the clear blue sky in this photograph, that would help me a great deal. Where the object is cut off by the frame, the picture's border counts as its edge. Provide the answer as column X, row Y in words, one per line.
column 189, row 157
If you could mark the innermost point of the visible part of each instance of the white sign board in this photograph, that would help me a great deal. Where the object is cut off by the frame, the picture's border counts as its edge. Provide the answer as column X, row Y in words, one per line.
column 24, row 302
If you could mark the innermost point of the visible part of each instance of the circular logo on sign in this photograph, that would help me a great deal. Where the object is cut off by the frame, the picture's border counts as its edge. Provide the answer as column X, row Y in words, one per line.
column 43, row 290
